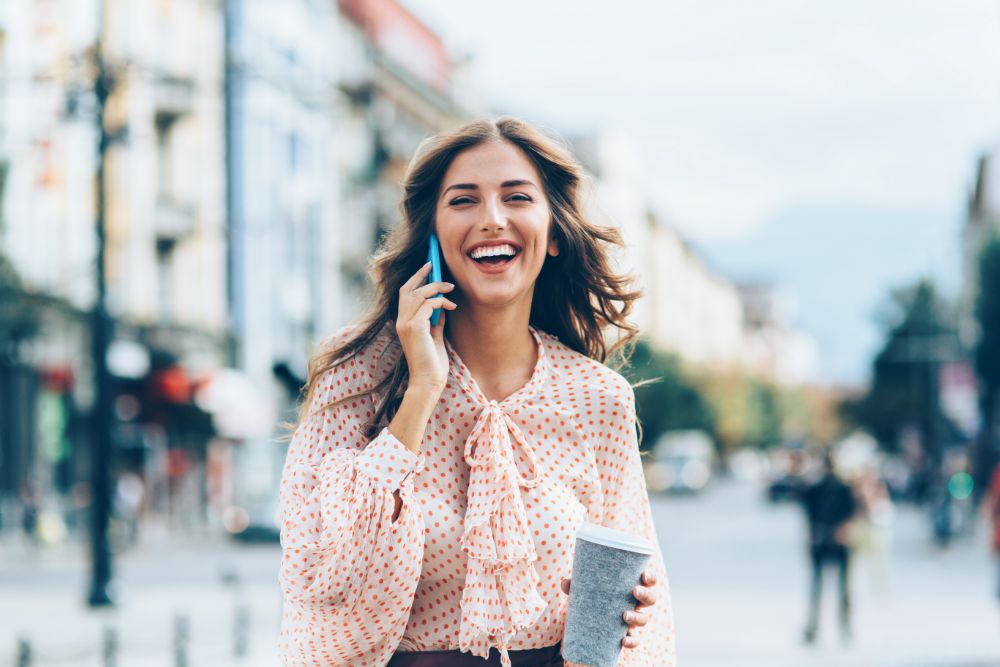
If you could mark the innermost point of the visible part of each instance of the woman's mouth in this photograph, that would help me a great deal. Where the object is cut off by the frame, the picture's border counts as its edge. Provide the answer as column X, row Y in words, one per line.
column 498, row 261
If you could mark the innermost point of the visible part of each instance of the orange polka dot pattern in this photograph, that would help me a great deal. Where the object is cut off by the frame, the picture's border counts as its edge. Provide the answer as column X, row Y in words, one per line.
column 489, row 512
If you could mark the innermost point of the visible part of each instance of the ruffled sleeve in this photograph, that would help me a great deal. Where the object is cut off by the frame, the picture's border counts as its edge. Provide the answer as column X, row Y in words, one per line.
column 626, row 508
column 348, row 572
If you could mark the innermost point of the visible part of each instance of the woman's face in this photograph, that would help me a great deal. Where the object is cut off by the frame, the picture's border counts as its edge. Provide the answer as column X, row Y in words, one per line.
column 492, row 200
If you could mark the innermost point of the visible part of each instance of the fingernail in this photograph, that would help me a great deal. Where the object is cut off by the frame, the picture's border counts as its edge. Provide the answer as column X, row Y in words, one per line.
column 638, row 590
column 450, row 284
column 629, row 616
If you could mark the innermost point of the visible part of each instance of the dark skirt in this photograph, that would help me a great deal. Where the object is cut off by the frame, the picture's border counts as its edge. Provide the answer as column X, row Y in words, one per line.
column 549, row 656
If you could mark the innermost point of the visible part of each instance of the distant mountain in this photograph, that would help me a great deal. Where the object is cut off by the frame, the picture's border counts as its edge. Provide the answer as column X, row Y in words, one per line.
column 838, row 263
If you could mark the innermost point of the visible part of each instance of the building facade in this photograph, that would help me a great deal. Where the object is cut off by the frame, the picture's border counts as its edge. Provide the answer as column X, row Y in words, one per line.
column 165, row 251
column 982, row 222
column 398, row 85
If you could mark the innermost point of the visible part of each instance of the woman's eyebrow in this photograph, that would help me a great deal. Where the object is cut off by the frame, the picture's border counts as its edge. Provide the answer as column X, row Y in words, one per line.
column 460, row 186
column 517, row 182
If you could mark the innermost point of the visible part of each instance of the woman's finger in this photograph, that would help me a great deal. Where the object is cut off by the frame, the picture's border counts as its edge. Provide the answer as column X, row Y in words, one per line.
column 648, row 578
column 416, row 278
column 564, row 584
column 645, row 596
column 411, row 303
column 629, row 641
column 430, row 289
column 636, row 619
column 425, row 311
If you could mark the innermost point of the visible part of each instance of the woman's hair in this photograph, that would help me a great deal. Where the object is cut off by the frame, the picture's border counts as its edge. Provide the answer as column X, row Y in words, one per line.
column 577, row 294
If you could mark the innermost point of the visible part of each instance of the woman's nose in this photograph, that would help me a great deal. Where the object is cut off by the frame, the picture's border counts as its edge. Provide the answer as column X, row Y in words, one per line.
column 493, row 217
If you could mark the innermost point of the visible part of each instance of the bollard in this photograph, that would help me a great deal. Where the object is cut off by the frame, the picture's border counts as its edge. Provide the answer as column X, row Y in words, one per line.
column 180, row 640
column 109, row 646
column 241, row 629
column 23, row 652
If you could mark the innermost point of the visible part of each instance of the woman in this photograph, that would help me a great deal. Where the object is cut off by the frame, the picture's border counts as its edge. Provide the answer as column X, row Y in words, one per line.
column 434, row 485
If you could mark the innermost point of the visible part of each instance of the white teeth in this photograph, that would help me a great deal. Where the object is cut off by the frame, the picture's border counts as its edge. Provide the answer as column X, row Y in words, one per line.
column 490, row 251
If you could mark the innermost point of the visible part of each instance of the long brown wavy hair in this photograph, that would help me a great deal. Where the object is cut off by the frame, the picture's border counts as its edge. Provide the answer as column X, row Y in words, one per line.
column 577, row 295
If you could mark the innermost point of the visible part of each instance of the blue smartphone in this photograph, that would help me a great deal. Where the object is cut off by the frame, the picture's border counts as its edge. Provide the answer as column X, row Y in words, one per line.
column 434, row 257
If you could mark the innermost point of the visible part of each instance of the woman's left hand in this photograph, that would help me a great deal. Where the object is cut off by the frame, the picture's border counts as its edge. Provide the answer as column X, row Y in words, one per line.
column 638, row 618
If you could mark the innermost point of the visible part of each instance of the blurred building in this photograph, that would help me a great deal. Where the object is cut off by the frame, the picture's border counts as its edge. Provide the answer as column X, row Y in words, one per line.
column 696, row 311
column 282, row 68
column 689, row 307
column 398, row 85
column 166, row 237
column 618, row 200
column 47, row 149
column 282, row 148
column 981, row 223
column 165, row 222
column 775, row 349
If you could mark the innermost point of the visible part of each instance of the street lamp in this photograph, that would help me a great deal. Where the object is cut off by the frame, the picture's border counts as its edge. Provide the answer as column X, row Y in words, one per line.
column 101, row 333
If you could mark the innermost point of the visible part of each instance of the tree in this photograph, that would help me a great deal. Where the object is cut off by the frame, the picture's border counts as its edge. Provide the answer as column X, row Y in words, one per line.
column 987, row 355
column 904, row 388
column 765, row 427
column 671, row 401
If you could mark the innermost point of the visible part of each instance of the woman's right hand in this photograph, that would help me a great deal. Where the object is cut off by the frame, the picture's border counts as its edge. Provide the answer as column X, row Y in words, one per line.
column 423, row 344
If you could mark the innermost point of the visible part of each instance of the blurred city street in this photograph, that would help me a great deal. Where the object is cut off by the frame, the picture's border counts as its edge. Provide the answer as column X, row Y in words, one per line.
column 738, row 578
column 739, row 581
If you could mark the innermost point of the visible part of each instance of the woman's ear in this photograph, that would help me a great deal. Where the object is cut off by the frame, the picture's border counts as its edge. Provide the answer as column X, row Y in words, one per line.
column 553, row 244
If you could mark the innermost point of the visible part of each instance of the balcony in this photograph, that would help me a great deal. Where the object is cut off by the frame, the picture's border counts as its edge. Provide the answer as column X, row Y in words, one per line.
column 174, row 97
column 173, row 220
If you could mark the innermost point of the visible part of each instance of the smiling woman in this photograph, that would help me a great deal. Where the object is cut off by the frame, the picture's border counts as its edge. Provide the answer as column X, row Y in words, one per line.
column 434, row 485
column 494, row 220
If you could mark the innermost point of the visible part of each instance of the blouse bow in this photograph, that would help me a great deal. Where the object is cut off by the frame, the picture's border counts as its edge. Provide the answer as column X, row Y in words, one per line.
column 501, row 585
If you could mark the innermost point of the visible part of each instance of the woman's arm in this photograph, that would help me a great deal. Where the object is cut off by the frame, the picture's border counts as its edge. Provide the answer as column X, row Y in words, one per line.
column 410, row 422
column 626, row 508
column 349, row 567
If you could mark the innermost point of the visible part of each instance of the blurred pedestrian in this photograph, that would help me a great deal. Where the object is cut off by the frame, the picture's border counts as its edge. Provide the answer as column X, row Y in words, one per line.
column 991, row 505
column 872, row 525
column 130, row 492
column 29, row 511
column 830, row 506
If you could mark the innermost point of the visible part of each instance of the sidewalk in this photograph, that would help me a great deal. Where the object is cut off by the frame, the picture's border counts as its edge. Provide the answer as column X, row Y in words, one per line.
column 43, row 602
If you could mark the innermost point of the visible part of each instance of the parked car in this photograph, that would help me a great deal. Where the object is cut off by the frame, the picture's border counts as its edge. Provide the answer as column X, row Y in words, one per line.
column 680, row 462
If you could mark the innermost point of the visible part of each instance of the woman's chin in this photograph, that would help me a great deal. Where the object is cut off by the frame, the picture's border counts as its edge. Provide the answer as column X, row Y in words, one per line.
column 501, row 296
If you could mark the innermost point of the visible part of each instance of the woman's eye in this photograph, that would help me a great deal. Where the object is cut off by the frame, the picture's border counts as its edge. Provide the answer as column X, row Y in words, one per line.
column 520, row 197
column 460, row 200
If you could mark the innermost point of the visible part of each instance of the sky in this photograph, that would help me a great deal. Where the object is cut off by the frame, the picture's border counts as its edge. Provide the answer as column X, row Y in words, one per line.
column 753, row 119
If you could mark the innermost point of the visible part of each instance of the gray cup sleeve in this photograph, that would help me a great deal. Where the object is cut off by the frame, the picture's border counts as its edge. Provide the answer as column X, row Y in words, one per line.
column 599, row 595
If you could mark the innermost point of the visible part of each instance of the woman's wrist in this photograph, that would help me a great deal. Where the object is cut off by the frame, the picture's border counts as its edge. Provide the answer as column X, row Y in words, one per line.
column 415, row 410
column 424, row 395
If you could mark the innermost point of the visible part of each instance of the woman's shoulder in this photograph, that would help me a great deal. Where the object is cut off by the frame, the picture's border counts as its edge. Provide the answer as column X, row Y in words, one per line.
column 383, row 339
column 580, row 371
column 357, row 371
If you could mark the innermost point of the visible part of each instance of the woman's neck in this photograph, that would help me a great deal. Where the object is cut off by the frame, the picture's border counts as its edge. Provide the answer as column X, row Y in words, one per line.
column 495, row 345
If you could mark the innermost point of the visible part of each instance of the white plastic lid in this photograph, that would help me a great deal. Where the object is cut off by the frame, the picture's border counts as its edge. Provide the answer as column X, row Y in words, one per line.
column 615, row 539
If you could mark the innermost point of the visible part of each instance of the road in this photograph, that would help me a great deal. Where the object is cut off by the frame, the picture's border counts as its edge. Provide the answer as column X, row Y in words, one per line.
column 736, row 566
column 739, row 582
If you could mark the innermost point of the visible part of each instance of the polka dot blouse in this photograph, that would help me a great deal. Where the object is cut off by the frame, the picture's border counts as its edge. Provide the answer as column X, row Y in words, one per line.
column 489, row 511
